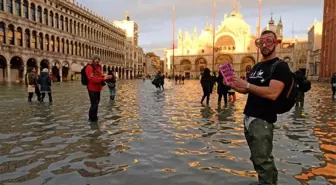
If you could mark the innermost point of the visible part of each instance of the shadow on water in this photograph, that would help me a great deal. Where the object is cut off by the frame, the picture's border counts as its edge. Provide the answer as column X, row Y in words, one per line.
column 149, row 137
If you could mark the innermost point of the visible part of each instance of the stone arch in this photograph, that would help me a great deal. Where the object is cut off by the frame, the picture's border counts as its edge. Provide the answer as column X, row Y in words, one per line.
column 104, row 69
column 223, row 58
column 16, row 69
column 55, row 70
column 3, row 68
column 246, row 65
column 225, row 41
column 119, row 72
column 65, row 70
column 3, row 32
column 44, row 64
column 200, row 64
column 11, row 34
column 19, row 36
column 185, row 67
column 31, row 63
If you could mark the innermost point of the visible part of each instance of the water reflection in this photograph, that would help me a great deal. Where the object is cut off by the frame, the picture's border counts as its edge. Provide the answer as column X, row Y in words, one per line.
column 150, row 137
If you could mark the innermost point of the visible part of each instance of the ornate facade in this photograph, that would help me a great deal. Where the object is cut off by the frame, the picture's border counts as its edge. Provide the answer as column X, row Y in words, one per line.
column 233, row 42
column 134, row 53
column 56, row 34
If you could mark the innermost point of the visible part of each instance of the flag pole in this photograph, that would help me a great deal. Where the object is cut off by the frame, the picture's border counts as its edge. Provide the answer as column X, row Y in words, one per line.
column 173, row 25
column 213, row 37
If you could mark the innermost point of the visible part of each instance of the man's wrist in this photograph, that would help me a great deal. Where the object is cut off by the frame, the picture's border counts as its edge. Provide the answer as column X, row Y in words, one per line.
column 247, row 86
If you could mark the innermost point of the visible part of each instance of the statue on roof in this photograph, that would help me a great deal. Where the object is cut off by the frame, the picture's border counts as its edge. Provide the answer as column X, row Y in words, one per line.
column 127, row 16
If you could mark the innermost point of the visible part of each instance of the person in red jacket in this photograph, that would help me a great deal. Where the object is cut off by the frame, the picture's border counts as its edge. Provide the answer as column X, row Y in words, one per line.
column 95, row 81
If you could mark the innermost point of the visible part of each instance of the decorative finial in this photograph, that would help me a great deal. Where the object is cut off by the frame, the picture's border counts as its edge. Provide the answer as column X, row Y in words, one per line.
column 238, row 7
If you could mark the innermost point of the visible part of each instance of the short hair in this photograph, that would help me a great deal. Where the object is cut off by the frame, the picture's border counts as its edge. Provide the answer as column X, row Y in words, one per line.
column 269, row 31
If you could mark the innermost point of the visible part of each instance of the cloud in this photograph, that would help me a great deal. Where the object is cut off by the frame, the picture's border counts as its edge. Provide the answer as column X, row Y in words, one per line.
column 154, row 17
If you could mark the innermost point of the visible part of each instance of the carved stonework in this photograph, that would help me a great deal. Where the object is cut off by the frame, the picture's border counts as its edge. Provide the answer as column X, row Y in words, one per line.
column 223, row 58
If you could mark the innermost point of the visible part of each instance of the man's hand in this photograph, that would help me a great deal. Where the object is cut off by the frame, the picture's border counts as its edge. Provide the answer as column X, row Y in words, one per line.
column 238, row 83
column 108, row 77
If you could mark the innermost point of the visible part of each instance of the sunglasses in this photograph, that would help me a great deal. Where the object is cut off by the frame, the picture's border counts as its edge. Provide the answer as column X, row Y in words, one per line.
column 268, row 41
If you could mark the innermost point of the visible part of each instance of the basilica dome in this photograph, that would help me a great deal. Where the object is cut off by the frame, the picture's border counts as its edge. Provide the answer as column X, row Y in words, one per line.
column 234, row 24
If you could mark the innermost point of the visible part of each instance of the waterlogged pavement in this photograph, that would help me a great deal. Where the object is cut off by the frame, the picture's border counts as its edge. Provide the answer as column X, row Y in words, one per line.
column 148, row 137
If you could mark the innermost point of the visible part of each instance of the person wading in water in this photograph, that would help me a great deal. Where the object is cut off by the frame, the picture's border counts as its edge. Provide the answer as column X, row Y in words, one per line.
column 96, row 80
column 207, row 83
column 269, row 81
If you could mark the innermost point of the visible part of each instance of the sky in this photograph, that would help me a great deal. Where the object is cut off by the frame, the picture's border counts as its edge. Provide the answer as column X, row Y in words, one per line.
column 154, row 17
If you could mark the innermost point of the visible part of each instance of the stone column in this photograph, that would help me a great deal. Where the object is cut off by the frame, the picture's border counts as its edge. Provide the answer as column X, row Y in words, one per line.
column 38, row 69
column 5, row 6
column 29, row 13
column 21, row 4
column 24, row 70
column 6, row 35
column 13, row 6
column 8, row 72
column 60, row 72
column 23, row 38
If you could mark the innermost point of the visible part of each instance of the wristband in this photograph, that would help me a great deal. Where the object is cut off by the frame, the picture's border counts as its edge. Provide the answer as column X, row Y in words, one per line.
column 247, row 85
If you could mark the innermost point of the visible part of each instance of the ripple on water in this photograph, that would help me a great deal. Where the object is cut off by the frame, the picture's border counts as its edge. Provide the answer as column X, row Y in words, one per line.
column 151, row 137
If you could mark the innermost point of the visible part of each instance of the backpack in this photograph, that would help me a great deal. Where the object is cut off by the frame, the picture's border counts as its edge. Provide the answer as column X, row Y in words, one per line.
column 285, row 104
column 84, row 78
column 304, row 85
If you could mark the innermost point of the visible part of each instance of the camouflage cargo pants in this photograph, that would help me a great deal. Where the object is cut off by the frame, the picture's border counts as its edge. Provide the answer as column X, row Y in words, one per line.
column 259, row 137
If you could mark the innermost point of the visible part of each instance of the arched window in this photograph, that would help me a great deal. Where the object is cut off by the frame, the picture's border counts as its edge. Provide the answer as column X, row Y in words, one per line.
column 2, row 32
column 75, row 27
column 70, row 25
column 51, row 19
column 18, row 7
column 52, row 44
column 46, row 42
column 67, row 47
column 40, row 41
column 70, row 48
column 34, row 43
column 32, row 12
column 57, row 20
column 78, row 28
column 45, row 16
column 25, row 9
column 66, row 24
column 9, row 6
column 18, row 36
column 1, row 5
column 62, row 22
column 75, row 49
column 79, row 49
column 62, row 46
column 39, row 14
column 27, row 38
column 82, row 34
column 57, row 45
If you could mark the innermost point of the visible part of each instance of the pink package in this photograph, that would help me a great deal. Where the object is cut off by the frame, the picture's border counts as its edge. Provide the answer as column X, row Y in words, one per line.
column 227, row 72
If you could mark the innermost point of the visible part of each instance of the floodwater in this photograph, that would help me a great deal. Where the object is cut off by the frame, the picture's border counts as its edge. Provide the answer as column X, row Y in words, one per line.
column 148, row 137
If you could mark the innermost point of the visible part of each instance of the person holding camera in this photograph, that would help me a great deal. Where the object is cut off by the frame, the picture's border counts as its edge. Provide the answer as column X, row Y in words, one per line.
column 96, row 81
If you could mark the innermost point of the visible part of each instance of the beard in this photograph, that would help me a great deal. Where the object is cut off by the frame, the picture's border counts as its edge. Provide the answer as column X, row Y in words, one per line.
column 267, row 52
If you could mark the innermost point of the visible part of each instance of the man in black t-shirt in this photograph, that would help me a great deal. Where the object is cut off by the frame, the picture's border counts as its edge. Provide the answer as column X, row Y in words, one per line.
column 263, row 88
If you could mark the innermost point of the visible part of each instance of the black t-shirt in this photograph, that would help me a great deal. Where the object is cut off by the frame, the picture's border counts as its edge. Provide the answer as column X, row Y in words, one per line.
column 260, row 75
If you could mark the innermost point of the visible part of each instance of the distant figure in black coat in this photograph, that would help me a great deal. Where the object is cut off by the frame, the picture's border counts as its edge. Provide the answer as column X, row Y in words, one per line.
column 45, row 83
column 207, row 83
